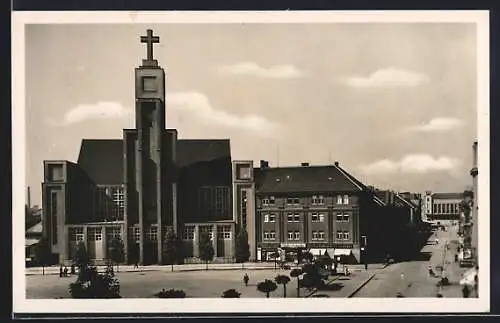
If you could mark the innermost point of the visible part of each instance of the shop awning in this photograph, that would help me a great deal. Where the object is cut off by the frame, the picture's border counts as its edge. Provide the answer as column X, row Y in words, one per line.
column 316, row 252
column 342, row 252
column 30, row 242
column 330, row 252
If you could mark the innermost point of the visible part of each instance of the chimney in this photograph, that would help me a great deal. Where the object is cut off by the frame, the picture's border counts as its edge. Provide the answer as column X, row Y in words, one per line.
column 474, row 156
column 264, row 164
column 28, row 198
column 336, row 163
column 304, row 164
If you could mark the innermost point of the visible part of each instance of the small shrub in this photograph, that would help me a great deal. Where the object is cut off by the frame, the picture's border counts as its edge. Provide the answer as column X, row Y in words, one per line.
column 231, row 293
column 92, row 284
column 171, row 293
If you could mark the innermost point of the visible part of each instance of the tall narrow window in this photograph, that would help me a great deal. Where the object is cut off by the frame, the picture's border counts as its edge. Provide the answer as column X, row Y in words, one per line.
column 346, row 199
column 339, row 199
column 54, row 211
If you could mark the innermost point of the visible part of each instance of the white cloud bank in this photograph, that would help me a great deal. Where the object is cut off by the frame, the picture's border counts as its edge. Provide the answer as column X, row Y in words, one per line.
column 252, row 69
column 438, row 125
column 388, row 77
column 415, row 163
column 198, row 106
column 95, row 111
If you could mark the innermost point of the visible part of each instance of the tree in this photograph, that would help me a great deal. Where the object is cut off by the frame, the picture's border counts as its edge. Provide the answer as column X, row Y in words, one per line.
column 267, row 286
column 81, row 257
column 242, row 248
column 91, row 284
column 206, row 249
column 42, row 253
column 296, row 272
column 171, row 250
column 282, row 280
column 171, row 293
column 117, row 252
column 231, row 293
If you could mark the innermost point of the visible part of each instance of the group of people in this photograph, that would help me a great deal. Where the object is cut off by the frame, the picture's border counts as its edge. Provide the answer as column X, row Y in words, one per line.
column 63, row 271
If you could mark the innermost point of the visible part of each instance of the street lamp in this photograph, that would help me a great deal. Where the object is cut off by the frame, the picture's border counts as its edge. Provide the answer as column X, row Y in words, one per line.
column 364, row 245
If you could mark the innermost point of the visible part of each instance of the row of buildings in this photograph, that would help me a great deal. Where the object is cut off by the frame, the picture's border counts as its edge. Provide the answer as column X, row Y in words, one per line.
column 150, row 181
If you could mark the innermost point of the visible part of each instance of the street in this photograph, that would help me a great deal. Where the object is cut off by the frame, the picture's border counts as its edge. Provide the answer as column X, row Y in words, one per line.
column 412, row 278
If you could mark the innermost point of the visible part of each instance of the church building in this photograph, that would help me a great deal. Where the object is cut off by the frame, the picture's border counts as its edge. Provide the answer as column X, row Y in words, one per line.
column 138, row 187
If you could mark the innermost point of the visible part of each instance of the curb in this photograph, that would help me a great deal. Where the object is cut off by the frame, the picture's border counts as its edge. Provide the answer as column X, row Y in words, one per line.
column 164, row 270
column 361, row 285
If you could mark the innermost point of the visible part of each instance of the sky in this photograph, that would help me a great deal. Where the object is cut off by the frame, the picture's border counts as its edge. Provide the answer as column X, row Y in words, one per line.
column 394, row 103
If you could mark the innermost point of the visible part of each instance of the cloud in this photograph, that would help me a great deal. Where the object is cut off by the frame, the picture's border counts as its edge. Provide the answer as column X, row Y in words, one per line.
column 198, row 105
column 412, row 164
column 438, row 125
column 95, row 111
column 388, row 77
column 252, row 69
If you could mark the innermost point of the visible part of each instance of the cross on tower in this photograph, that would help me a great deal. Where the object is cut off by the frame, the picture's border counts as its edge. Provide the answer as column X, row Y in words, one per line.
column 150, row 40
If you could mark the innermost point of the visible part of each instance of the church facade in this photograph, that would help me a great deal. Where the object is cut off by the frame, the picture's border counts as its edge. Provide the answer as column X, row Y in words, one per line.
column 139, row 187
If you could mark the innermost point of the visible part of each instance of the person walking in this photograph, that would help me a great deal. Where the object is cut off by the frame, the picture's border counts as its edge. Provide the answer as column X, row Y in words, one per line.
column 246, row 279
column 60, row 271
column 136, row 264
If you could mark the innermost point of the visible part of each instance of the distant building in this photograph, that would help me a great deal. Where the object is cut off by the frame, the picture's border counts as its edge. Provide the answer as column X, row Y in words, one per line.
column 442, row 206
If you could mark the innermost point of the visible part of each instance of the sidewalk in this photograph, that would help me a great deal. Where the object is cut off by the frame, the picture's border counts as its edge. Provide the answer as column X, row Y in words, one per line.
column 54, row 270
column 345, row 286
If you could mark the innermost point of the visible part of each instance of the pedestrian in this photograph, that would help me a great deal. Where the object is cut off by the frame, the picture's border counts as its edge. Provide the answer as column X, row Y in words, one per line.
column 246, row 279
column 73, row 271
column 465, row 291
column 366, row 266
column 136, row 264
column 60, row 271
column 65, row 271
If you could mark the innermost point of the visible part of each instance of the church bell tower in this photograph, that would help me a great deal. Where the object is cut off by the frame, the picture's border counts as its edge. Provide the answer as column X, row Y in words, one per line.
column 150, row 158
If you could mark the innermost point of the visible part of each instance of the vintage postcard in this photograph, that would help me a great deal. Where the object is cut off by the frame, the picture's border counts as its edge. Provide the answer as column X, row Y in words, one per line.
column 299, row 161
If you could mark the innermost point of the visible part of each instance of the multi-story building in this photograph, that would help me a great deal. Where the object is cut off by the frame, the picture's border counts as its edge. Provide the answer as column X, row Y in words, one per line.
column 441, row 207
column 320, row 209
column 138, row 187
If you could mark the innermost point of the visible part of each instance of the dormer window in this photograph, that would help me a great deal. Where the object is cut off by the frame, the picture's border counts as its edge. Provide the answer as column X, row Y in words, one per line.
column 293, row 201
column 318, row 200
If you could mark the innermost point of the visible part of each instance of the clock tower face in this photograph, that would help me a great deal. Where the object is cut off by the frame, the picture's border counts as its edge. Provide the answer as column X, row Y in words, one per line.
column 149, row 84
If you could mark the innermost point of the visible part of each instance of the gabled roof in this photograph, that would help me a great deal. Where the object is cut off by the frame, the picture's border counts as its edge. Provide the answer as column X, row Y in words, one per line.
column 192, row 151
column 305, row 179
column 102, row 159
column 405, row 201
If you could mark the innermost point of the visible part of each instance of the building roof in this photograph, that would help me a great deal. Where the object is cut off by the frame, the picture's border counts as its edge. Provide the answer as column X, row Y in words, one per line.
column 448, row 196
column 305, row 179
column 192, row 151
column 102, row 159
column 30, row 242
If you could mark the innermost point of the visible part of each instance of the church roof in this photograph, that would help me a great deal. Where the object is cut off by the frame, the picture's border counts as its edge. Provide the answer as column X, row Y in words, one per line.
column 102, row 159
column 298, row 179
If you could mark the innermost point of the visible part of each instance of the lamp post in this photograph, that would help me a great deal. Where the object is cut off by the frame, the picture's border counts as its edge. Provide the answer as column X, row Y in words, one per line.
column 364, row 245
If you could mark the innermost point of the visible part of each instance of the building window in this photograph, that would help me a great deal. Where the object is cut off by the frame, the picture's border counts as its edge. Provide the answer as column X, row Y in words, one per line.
column 214, row 201
column 224, row 232
column 54, row 226
column 118, row 205
column 296, row 235
column 342, row 235
column 268, row 201
column 434, row 208
column 318, row 200
column 339, row 199
column 136, row 236
column 94, row 234
column 269, row 235
column 290, row 235
column 152, row 234
column 291, row 217
column 76, row 234
column 317, row 217
column 113, row 233
column 346, row 235
column 188, row 233
column 272, row 218
column 292, row 201
column 439, row 208
column 243, row 203
column 266, row 218
column 342, row 217
column 318, row 235
column 346, row 199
